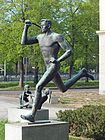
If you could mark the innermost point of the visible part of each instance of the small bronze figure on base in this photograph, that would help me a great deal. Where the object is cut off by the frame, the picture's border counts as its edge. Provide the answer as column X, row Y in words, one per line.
column 26, row 98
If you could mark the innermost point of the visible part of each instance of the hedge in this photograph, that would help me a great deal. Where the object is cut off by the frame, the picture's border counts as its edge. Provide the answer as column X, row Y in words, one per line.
column 88, row 121
column 79, row 84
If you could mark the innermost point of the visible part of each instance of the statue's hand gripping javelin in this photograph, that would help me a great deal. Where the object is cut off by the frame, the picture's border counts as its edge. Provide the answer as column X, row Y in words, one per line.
column 29, row 23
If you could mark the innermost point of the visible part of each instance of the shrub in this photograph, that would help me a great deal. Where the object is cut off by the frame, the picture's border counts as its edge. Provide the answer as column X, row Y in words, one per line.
column 88, row 121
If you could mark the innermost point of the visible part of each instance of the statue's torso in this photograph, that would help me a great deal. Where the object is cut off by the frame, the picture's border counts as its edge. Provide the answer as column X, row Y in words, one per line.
column 49, row 46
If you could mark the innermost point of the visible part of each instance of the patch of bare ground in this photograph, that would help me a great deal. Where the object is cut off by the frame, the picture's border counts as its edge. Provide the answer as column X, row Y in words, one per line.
column 80, row 97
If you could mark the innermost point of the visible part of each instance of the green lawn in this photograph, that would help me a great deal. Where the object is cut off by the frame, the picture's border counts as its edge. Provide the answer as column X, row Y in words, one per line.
column 74, row 138
column 80, row 84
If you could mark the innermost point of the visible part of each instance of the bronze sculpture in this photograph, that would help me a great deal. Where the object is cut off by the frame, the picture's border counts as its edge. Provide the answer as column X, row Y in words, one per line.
column 26, row 98
column 50, row 44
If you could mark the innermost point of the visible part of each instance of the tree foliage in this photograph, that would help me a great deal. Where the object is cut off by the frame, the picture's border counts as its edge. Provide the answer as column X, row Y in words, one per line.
column 76, row 20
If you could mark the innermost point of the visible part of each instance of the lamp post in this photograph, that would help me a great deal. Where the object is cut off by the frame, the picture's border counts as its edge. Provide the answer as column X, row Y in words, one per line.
column 35, row 69
column 5, row 72
column 25, row 62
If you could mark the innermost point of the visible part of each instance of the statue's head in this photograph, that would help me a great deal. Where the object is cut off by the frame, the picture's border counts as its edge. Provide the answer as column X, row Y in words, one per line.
column 45, row 25
column 26, row 87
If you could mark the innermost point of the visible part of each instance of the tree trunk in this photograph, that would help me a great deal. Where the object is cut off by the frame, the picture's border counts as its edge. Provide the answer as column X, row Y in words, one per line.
column 16, row 68
column 36, row 75
column 71, row 66
column 71, row 70
column 86, row 60
column 21, row 82
column 5, row 71
column 97, row 72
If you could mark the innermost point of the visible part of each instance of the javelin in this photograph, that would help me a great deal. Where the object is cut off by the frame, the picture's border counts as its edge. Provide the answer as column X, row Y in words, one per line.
column 36, row 24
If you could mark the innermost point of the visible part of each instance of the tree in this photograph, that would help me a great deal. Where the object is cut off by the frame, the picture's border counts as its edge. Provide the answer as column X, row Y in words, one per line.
column 78, row 20
column 13, row 13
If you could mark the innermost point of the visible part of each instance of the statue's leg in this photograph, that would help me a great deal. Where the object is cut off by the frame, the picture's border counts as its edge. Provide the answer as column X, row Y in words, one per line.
column 21, row 100
column 65, row 86
column 59, row 83
column 81, row 74
column 25, row 105
column 46, row 78
column 44, row 97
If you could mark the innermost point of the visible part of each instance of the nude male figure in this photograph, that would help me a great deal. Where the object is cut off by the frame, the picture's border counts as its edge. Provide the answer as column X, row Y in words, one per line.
column 50, row 44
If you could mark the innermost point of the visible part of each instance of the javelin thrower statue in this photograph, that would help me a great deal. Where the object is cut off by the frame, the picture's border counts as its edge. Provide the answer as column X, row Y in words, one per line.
column 50, row 43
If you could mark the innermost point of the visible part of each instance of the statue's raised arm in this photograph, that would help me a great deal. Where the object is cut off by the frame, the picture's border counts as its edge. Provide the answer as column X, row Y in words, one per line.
column 25, row 40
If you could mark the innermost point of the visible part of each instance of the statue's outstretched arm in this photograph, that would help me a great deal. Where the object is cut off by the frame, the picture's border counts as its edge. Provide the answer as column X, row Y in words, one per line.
column 25, row 40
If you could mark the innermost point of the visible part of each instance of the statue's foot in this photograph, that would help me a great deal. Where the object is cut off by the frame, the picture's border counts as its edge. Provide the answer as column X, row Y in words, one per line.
column 86, row 74
column 28, row 106
column 28, row 117
column 20, row 107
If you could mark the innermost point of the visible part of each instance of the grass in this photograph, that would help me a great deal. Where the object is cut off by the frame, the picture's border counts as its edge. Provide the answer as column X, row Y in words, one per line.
column 83, row 83
column 2, row 129
column 14, row 85
column 83, row 99
column 78, row 98
column 78, row 138
column 74, row 138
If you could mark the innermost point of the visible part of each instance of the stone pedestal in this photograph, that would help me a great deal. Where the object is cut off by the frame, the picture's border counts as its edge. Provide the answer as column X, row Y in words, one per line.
column 53, row 130
column 14, row 114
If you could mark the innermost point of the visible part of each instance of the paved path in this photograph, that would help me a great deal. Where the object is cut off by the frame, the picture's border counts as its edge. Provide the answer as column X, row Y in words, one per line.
column 5, row 103
column 10, row 99
column 9, row 102
column 16, row 93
